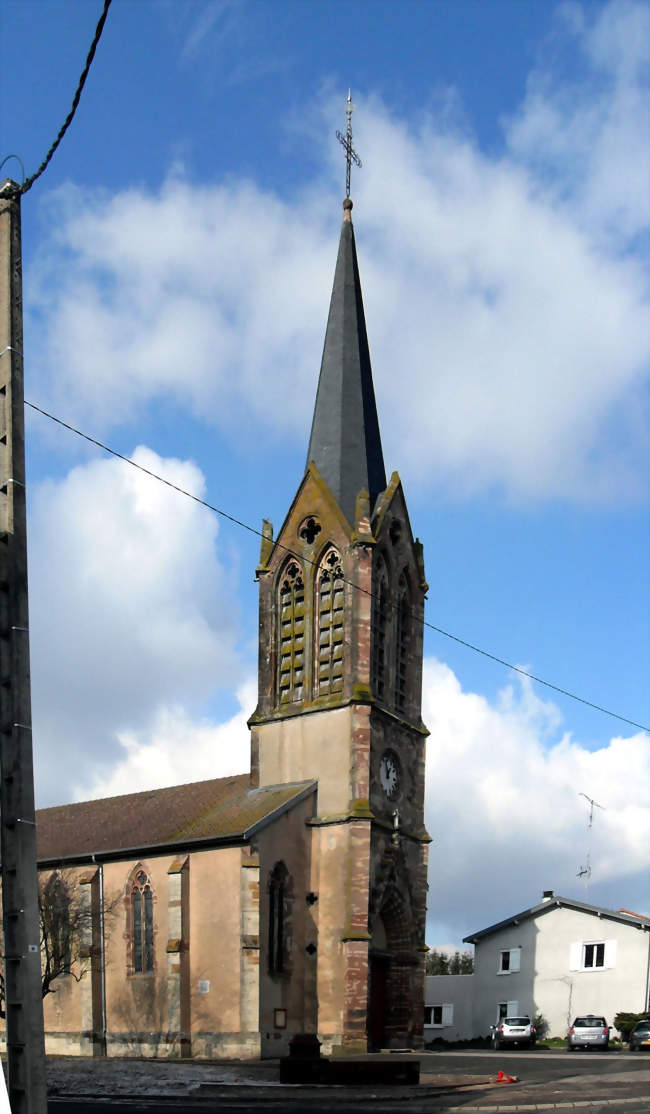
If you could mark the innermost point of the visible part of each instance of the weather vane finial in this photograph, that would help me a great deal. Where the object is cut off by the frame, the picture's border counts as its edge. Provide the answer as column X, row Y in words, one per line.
column 346, row 140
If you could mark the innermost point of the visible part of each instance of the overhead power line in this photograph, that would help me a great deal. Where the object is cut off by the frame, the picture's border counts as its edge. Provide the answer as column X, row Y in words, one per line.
column 358, row 587
column 27, row 185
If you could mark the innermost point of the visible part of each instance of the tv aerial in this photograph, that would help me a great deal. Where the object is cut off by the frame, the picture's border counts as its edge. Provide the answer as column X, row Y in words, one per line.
column 585, row 871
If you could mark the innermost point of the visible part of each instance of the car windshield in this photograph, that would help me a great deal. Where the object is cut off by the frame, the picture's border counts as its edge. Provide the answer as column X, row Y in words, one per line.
column 642, row 1027
column 589, row 1022
column 516, row 1021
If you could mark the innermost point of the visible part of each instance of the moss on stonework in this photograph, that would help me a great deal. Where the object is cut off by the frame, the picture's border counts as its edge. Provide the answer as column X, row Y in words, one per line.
column 362, row 693
column 361, row 808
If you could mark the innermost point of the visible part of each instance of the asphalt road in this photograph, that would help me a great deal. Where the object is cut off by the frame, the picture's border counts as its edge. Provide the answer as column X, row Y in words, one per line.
column 601, row 1083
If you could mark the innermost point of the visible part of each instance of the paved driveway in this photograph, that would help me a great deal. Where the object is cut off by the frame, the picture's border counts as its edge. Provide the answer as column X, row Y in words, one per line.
column 450, row 1081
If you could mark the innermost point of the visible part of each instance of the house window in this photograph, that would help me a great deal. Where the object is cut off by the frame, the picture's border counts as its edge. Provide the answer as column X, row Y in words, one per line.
column 141, row 908
column 279, row 910
column 401, row 648
column 507, row 1009
column 291, row 634
column 379, row 623
column 594, row 955
column 330, row 621
column 509, row 961
column 597, row 955
column 437, row 1016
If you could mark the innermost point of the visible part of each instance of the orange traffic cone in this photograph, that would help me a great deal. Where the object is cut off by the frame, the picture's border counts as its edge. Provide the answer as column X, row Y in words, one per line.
column 503, row 1077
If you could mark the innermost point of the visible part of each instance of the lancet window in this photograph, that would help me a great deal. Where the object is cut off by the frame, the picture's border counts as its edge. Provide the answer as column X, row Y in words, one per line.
column 279, row 918
column 401, row 642
column 379, row 628
column 141, row 914
column 55, row 910
column 291, row 634
column 329, row 624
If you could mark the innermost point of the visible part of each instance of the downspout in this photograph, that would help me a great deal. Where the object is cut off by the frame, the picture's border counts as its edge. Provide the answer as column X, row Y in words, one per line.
column 646, row 1006
column 102, row 958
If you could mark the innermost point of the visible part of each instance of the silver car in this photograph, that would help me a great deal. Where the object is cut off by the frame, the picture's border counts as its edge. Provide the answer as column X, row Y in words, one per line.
column 513, row 1030
column 588, row 1031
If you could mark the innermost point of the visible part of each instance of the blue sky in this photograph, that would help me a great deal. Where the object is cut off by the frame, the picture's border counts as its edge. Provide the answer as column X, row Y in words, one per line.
column 178, row 256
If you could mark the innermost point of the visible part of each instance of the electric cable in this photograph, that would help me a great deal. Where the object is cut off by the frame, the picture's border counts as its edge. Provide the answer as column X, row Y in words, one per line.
column 351, row 583
column 27, row 185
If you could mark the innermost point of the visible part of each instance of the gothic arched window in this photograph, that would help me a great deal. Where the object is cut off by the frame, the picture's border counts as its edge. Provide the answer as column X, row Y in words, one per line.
column 55, row 913
column 291, row 670
column 401, row 641
column 379, row 625
column 279, row 896
column 141, row 917
column 329, row 625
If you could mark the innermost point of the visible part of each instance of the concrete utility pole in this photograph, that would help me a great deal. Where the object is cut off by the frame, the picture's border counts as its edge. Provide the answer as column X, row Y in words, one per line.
column 22, row 953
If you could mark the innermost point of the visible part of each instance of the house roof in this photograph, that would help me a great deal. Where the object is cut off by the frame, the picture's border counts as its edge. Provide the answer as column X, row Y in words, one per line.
column 222, row 810
column 555, row 902
column 345, row 444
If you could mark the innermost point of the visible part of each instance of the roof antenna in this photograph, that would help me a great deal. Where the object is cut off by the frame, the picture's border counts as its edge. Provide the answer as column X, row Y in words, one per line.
column 346, row 140
column 585, row 871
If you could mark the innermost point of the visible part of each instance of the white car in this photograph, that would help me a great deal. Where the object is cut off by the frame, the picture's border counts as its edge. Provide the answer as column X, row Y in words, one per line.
column 514, row 1030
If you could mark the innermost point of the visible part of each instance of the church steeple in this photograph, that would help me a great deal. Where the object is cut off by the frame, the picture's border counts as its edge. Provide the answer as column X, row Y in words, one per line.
column 340, row 674
column 345, row 444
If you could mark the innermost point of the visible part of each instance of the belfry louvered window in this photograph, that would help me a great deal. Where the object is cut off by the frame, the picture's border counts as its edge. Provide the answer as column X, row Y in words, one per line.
column 329, row 618
column 401, row 642
column 379, row 624
column 142, row 924
column 292, row 634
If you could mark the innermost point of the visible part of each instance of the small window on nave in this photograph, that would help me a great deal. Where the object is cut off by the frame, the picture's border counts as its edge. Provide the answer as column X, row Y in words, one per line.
column 330, row 623
column 291, row 632
column 141, row 926
column 401, row 642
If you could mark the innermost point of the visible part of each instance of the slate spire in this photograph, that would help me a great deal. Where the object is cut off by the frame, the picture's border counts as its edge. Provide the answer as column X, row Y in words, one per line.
column 345, row 444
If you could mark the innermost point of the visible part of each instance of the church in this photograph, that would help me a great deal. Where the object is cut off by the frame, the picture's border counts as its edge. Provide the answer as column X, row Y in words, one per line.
column 221, row 918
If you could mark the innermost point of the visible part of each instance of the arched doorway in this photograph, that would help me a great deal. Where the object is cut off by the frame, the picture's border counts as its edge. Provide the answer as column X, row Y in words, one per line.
column 391, row 969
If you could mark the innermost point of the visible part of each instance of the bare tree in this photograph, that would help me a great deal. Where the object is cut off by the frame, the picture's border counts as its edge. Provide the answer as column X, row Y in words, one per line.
column 66, row 930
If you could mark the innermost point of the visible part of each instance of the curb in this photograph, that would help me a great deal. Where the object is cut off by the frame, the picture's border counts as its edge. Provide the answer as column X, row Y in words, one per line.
column 577, row 1104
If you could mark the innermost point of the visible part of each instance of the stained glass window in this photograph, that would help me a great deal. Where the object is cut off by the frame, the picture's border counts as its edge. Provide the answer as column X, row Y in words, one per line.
column 142, row 923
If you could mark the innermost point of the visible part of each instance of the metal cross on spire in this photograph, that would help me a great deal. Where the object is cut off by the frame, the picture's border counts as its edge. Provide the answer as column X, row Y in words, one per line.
column 346, row 140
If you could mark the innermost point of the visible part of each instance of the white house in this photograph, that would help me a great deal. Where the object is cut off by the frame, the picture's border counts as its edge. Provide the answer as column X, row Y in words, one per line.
column 448, row 1007
column 560, row 958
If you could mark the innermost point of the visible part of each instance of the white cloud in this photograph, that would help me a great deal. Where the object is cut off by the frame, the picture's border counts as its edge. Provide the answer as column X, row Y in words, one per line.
column 580, row 134
column 175, row 750
column 507, row 310
column 131, row 613
column 504, row 809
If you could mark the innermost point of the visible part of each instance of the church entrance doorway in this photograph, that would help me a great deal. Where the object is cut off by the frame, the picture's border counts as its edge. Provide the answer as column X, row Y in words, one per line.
column 377, row 1001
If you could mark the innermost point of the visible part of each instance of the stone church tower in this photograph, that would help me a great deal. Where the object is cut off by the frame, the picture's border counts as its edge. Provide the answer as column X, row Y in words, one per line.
column 342, row 592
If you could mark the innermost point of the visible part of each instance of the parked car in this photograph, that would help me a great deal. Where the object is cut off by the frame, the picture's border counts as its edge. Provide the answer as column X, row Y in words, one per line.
column 588, row 1032
column 639, row 1036
column 513, row 1030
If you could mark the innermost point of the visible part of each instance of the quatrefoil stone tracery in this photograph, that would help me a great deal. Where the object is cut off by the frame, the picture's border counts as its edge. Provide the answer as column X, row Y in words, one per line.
column 310, row 530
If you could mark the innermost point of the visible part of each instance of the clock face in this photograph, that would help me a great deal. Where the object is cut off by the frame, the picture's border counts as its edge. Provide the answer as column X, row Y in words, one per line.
column 390, row 774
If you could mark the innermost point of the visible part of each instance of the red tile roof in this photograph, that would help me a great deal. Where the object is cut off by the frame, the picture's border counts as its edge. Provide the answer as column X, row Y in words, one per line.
column 220, row 809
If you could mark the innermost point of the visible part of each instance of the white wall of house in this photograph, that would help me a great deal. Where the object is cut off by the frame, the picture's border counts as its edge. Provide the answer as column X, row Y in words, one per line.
column 561, row 963
column 448, row 1004
column 504, row 986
